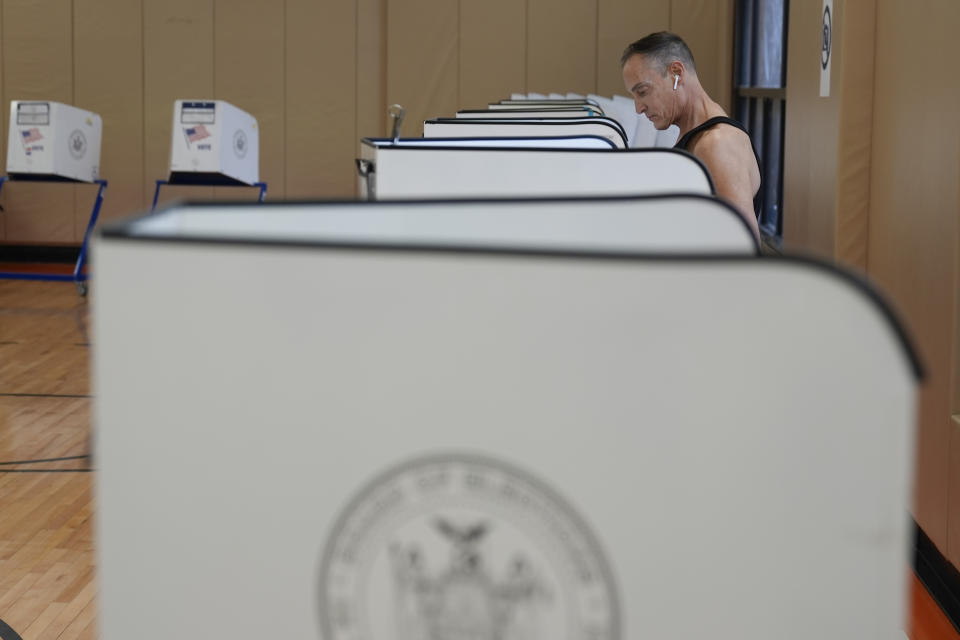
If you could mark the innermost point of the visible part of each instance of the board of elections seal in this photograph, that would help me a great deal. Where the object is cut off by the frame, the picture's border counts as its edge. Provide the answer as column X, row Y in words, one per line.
column 464, row 547
column 77, row 144
column 240, row 143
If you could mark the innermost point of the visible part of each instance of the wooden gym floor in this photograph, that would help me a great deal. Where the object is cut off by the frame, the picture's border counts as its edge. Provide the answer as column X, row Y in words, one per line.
column 47, row 565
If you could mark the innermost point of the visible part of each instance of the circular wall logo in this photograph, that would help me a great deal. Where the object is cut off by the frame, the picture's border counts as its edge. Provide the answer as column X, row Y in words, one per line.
column 240, row 143
column 464, row 547
column 826, row 41
column 77, row 144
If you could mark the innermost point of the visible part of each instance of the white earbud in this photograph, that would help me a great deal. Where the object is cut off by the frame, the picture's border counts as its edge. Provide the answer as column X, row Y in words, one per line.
column 676, row 79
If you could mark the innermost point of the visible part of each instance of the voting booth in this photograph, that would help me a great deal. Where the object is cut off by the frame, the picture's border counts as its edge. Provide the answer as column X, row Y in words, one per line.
column 388, row 171
column 544, row 106
column 397, row 440
column 525, row 128
column 672, row 224
column 552, row 104
column 53, row 141
column 213, row 142
column 558, row 142
column 584, row 112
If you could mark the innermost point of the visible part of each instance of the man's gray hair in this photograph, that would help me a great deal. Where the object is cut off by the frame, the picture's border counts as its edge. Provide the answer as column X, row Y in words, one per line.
column 662, row 48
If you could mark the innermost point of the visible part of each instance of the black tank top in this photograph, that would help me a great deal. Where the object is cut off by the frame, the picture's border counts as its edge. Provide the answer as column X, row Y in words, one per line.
column 684, row 141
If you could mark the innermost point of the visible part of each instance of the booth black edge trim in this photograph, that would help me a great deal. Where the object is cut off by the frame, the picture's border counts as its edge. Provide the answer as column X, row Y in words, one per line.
column 121, row 231
column 938, row 575
column 425, row 147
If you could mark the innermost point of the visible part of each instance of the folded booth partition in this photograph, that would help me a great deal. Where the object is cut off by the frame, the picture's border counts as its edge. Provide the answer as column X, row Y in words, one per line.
column 525, row 128
column 326, row 438
column 548, row 101
column 543, row 106
column 585, row 112
column 558, row 142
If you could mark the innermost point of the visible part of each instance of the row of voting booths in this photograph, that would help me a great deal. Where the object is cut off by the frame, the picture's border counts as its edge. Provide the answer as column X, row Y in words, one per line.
column 212, row 143
column 536, row 382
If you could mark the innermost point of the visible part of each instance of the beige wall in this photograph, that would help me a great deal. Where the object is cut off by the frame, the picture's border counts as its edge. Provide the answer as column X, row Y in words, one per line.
column 871, row 179
column 317, row 75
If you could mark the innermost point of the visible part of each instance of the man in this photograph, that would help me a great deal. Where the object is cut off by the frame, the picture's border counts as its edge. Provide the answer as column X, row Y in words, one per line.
column 659, row 73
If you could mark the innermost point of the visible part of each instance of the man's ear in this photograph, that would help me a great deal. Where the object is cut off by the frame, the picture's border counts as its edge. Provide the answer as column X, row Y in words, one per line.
column 676, row 68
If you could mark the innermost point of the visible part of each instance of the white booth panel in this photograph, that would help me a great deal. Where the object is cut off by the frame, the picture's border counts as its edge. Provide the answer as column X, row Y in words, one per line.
column 53, row 141
column 651, row 224
column 511, row 128
column 213, row 142
column 389, row 443
column 546, row 118
column 641, row 133
column 410, row 172
column 540, row 106
column 585, row 112
column 548, row 102
column 560, row 142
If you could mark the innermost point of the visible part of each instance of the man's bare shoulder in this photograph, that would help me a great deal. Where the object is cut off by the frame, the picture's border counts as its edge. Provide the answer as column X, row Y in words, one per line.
column 723, row 140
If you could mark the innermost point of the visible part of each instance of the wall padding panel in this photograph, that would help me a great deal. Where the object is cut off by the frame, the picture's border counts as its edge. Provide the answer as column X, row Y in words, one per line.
column 955, row 403
column 953, row 521
column 108, row 77
column 491, row 70
column 829, row 139
column 422, row 59
column 810, row 138
column 913, row 219
column 371, row 70
column 707, row 28
column 562, row 46
column 249, row 74
column 178, row 64
column 38, row 65
column 321, row 95
column 856, row 67
column 621, row 22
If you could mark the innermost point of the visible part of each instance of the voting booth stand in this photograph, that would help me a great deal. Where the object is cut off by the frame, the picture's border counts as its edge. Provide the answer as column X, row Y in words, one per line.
column 50, row 142
column 79, row 276
column 445, row 437
column 213, row 144
column 262, row 186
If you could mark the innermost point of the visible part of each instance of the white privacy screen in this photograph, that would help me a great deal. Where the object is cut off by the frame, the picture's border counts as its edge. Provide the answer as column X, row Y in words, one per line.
column 667, row 224
column 408, row 172
column 529, row 113
column 379, row 442
column 509, row 127
column 561, row 142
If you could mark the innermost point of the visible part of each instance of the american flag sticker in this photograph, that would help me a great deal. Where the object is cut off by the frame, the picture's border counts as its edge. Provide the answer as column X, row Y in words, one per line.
column 31, row 135
column 197, row 132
